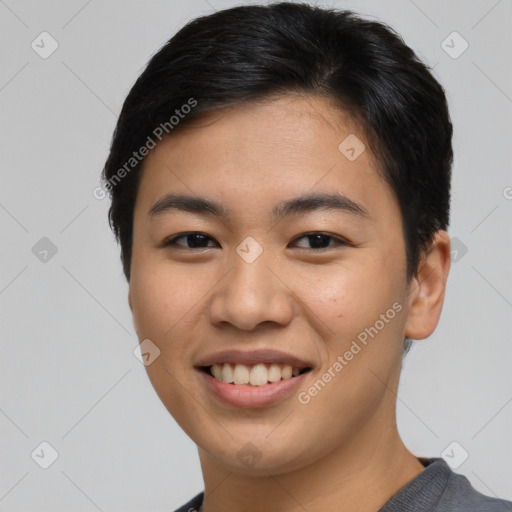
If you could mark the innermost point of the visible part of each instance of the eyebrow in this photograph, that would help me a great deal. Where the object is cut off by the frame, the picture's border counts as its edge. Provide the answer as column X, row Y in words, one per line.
column 318, row 201
column 295, row 206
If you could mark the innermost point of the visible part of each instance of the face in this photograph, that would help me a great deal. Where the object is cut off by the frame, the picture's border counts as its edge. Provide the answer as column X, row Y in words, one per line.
column 293, row 256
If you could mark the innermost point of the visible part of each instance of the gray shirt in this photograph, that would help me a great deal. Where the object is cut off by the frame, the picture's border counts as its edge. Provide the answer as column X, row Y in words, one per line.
column 436, row 489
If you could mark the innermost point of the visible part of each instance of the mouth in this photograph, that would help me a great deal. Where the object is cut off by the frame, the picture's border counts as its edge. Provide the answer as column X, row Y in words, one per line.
column 260, row 374
column 252, row 379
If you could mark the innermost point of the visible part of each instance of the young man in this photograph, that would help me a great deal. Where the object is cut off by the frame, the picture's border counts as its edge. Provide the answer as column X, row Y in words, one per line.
column 280, row 181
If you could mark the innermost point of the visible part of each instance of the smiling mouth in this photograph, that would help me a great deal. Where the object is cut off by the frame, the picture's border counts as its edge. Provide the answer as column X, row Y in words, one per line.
column 259, row 374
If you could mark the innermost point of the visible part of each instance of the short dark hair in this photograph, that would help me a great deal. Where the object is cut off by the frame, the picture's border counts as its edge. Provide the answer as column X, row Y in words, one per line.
column 251, row 53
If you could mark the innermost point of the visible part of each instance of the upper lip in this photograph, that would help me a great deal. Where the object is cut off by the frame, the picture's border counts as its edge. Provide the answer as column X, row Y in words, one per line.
column 253, row 357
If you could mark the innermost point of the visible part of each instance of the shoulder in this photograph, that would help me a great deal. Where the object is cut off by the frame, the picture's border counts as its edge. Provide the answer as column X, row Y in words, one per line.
column 193, row 505
column 439, row 489
column 460, row 495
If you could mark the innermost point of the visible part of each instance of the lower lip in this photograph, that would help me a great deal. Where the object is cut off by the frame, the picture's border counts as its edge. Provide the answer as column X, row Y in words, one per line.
column 249, row 397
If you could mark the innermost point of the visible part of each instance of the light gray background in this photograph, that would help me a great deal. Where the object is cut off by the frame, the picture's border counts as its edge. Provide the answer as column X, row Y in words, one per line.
column 68, row 374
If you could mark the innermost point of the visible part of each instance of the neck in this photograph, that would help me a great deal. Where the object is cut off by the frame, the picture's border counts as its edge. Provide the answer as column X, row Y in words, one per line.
column 359, row 476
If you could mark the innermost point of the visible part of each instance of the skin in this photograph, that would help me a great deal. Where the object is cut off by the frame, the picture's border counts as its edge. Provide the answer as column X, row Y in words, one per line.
column 343, row 446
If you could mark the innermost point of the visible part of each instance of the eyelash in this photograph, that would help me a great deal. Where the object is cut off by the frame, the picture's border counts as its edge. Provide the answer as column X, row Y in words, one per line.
column 171, row 242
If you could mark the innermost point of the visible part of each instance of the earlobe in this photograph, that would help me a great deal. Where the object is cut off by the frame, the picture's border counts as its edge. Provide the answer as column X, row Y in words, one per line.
column 428, row 287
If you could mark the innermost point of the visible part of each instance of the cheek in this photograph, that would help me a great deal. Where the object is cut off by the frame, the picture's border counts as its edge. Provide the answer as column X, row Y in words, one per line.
column 344, row 296
column 349, row 301
column 148, row 303
column 160, row 299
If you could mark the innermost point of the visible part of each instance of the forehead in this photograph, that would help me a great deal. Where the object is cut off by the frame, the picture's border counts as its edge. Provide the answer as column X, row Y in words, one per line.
column 265, row 151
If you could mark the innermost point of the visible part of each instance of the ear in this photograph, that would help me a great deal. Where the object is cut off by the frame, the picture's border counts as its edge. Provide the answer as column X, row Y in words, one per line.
column 130, row 298
column 428, row 287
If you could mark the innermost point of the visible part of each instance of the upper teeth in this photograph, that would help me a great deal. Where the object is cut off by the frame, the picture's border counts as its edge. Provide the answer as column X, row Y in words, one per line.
column 256, row 375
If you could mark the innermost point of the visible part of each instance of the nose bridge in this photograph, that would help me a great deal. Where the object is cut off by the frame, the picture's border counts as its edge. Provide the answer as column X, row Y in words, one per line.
column 251, row 294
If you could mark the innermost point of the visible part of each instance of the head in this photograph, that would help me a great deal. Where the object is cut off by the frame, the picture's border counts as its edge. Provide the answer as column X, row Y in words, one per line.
column 280, row 179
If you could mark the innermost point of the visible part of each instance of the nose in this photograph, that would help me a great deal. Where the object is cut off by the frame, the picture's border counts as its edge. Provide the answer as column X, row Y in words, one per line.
column 251, row 294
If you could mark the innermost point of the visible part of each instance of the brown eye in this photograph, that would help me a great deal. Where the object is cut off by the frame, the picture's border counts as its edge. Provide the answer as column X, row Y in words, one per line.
column 191, row 240
column 320, row 241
